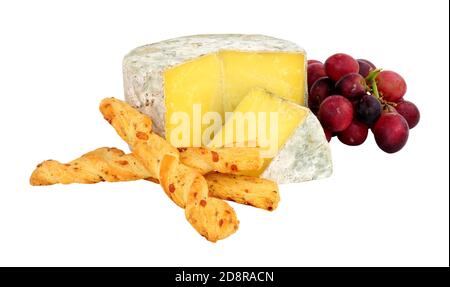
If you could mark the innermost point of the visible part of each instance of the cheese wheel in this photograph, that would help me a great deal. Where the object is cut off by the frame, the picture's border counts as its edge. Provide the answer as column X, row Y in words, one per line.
column 187, row 83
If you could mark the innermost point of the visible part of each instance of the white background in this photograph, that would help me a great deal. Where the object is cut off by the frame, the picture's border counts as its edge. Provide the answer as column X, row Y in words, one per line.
column 59, row 59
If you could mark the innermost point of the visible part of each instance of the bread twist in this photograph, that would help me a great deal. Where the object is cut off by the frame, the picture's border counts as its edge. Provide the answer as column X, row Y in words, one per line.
column 212, row 218
column 112, row 165
column 223, row 160
column 102, row 164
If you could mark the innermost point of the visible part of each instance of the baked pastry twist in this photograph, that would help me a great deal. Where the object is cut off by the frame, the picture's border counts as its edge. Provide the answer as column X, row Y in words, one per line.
column 178, row 170
column 223, row 160
column 212, row 218
column 102, row 164
column 112, row 165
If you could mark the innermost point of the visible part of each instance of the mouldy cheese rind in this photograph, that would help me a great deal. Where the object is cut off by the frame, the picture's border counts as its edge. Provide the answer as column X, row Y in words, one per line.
column 305, row 156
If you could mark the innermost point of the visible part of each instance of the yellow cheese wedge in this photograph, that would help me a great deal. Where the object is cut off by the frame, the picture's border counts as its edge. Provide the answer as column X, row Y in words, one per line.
column 279, row 72
column 261, row 119
column 290, row 136
column 191, row 90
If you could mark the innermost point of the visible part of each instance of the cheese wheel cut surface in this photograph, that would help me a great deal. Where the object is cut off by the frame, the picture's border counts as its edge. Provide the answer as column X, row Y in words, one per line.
column 187, row 78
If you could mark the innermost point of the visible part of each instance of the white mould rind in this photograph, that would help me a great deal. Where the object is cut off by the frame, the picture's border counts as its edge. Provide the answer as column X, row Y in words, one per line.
column 305, row 156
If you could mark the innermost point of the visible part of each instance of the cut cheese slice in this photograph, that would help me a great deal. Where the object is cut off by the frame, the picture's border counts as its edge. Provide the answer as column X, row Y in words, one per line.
column 289, row 135
column 187, row 78
column 193, row 83
column 279, row 72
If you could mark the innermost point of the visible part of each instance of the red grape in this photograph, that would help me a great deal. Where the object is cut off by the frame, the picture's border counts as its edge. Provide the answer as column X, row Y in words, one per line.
column 321, row 89
column 355, row 134
column 368, row 109
column 365, row 67
column 313, row 61
column 409, row 111
column 391, row 132
column 354, row 105
column 340, row 65
column 336, row 113
column 328, row 134
column 391, row 86
column 351, row 85
column 315, row 71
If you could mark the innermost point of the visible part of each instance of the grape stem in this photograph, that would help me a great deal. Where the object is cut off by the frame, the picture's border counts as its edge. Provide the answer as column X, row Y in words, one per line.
column 375, row 92
column 372, row 75
column 371, row 79
column 375, row 89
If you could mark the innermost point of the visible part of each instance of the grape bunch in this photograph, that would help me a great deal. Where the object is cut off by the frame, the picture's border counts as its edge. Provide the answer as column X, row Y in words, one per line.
column 351, row 96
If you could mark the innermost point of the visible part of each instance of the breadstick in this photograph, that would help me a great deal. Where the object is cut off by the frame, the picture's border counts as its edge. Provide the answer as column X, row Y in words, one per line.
column 103, row 164
column 130, row 125
column 224, row 160
column 254, row 191
column 201, row 211
column 211, row 217
column 112, row 165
